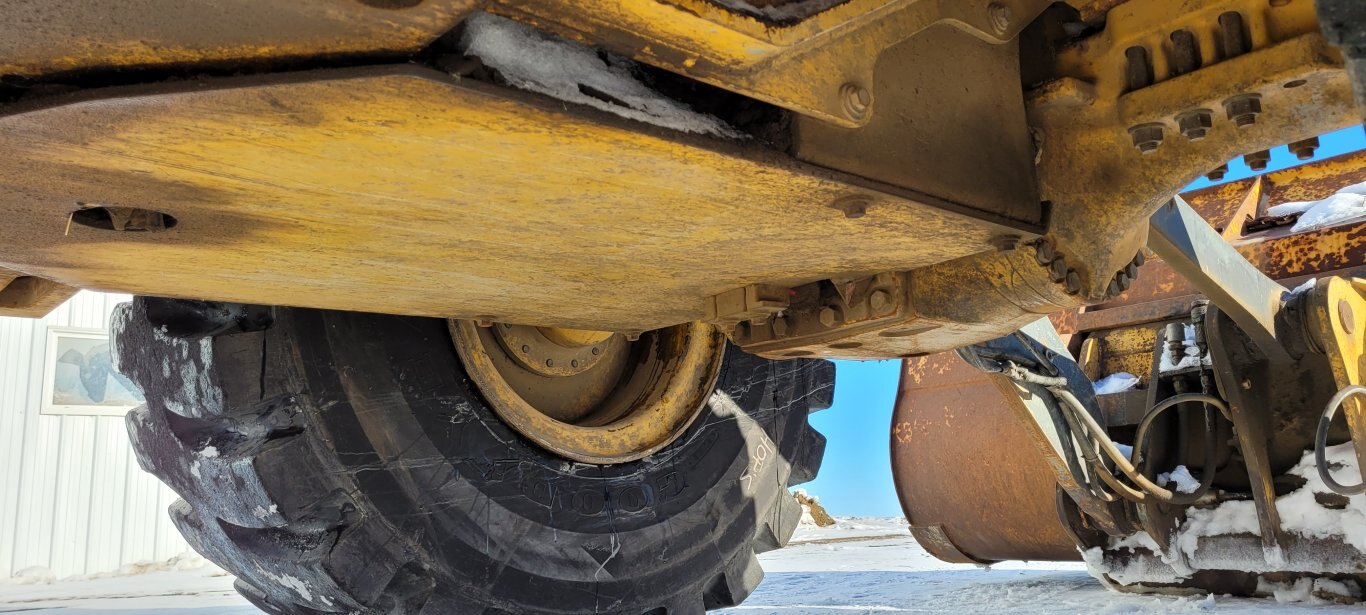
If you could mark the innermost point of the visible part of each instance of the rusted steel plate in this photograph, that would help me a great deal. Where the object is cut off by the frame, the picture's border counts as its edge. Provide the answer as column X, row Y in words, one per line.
column 964, row 464
column 1280, row 254
column 962, row 461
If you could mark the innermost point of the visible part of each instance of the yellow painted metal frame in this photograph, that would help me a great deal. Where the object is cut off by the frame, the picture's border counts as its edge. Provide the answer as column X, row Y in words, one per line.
column 803, row 67
column 401, row 190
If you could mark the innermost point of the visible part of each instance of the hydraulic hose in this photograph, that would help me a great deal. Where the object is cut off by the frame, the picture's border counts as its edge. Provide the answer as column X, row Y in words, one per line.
column 1321, row 442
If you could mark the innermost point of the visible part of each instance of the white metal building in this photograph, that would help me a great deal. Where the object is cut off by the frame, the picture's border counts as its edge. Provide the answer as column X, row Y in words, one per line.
column 72, row 496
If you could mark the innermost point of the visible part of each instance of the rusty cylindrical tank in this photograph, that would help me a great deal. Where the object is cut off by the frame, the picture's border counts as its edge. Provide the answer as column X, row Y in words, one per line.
column 967, row 471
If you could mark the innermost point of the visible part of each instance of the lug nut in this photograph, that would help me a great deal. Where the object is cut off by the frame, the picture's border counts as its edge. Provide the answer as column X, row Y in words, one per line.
column 1304, row 150
column 1124, row 280
column 1195, row 124
column 854, row 206
column 1000, row 16
column 1073, row 282
column 828, row 316
column 1147, row 137
column 1057, row 270
column 1243, row 109
column 1044, row 253
column 1258, row 161
column 880, row 301
column 856, row 100
column 1218, row 173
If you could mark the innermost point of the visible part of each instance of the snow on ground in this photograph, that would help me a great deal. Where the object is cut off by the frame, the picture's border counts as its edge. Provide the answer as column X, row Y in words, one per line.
column 859, row 565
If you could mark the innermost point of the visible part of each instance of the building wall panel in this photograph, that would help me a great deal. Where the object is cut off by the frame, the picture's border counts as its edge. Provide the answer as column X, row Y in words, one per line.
column 72, row 496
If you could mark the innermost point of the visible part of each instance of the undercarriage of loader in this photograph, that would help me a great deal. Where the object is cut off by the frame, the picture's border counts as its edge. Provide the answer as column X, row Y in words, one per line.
column 492, row 306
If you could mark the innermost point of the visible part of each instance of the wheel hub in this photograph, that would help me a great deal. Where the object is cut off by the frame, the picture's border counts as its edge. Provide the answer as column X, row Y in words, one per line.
column 552, row 351
column 592, row 396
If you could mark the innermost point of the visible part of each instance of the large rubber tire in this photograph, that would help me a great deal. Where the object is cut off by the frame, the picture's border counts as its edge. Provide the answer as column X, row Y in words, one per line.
column 342, row 462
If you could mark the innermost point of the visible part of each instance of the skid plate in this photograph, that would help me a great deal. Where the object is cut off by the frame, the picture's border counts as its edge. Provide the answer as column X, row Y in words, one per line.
column 402, row 190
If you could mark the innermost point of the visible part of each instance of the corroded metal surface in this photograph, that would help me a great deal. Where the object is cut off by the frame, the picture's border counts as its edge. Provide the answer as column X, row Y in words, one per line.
column 953, row 409
column 1159, row 293
column 38, row 37
column 963, row 460
column 400, row 190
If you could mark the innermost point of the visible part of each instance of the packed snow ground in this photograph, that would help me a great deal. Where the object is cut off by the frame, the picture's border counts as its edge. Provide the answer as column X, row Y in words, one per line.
column 860, row 565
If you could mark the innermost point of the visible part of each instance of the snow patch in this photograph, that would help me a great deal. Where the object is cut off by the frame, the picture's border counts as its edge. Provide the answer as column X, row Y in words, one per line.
column 36, row 575
column 1304, row 287
column 1301, row 514
column 290, row 581
column 1181, row 476
column 30, row 576
column 1115, row 383
column 1330, row 211
column 1191, row 356
column 209, row 452
column 1346, row 204
column 536, row 61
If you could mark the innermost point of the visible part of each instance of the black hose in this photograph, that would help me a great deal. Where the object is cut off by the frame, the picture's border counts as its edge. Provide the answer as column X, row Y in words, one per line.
column 1321, row 442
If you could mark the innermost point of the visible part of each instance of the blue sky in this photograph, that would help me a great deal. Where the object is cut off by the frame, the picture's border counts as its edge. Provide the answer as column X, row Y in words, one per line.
column 856, row 478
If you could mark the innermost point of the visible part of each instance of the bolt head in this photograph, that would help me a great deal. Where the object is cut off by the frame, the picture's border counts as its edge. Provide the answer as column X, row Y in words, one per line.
column 1258, row 161
column 856, row 100
column 1195, row 124
column 1131, row 270
column 1147, row 137
column 780, row 326
column 1345, row 316
column 1123, row 280
column 1044, row 253
column 1113, row 290
column 1073, row 282
column 1057, row 270
column 880, row 301
column 1244, row 109
column 854, row 206
column 1001, row 17
column 1140, row 258
column 828, row 316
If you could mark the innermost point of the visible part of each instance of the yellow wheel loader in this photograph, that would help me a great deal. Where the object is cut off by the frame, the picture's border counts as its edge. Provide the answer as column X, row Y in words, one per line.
column 520, row 306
